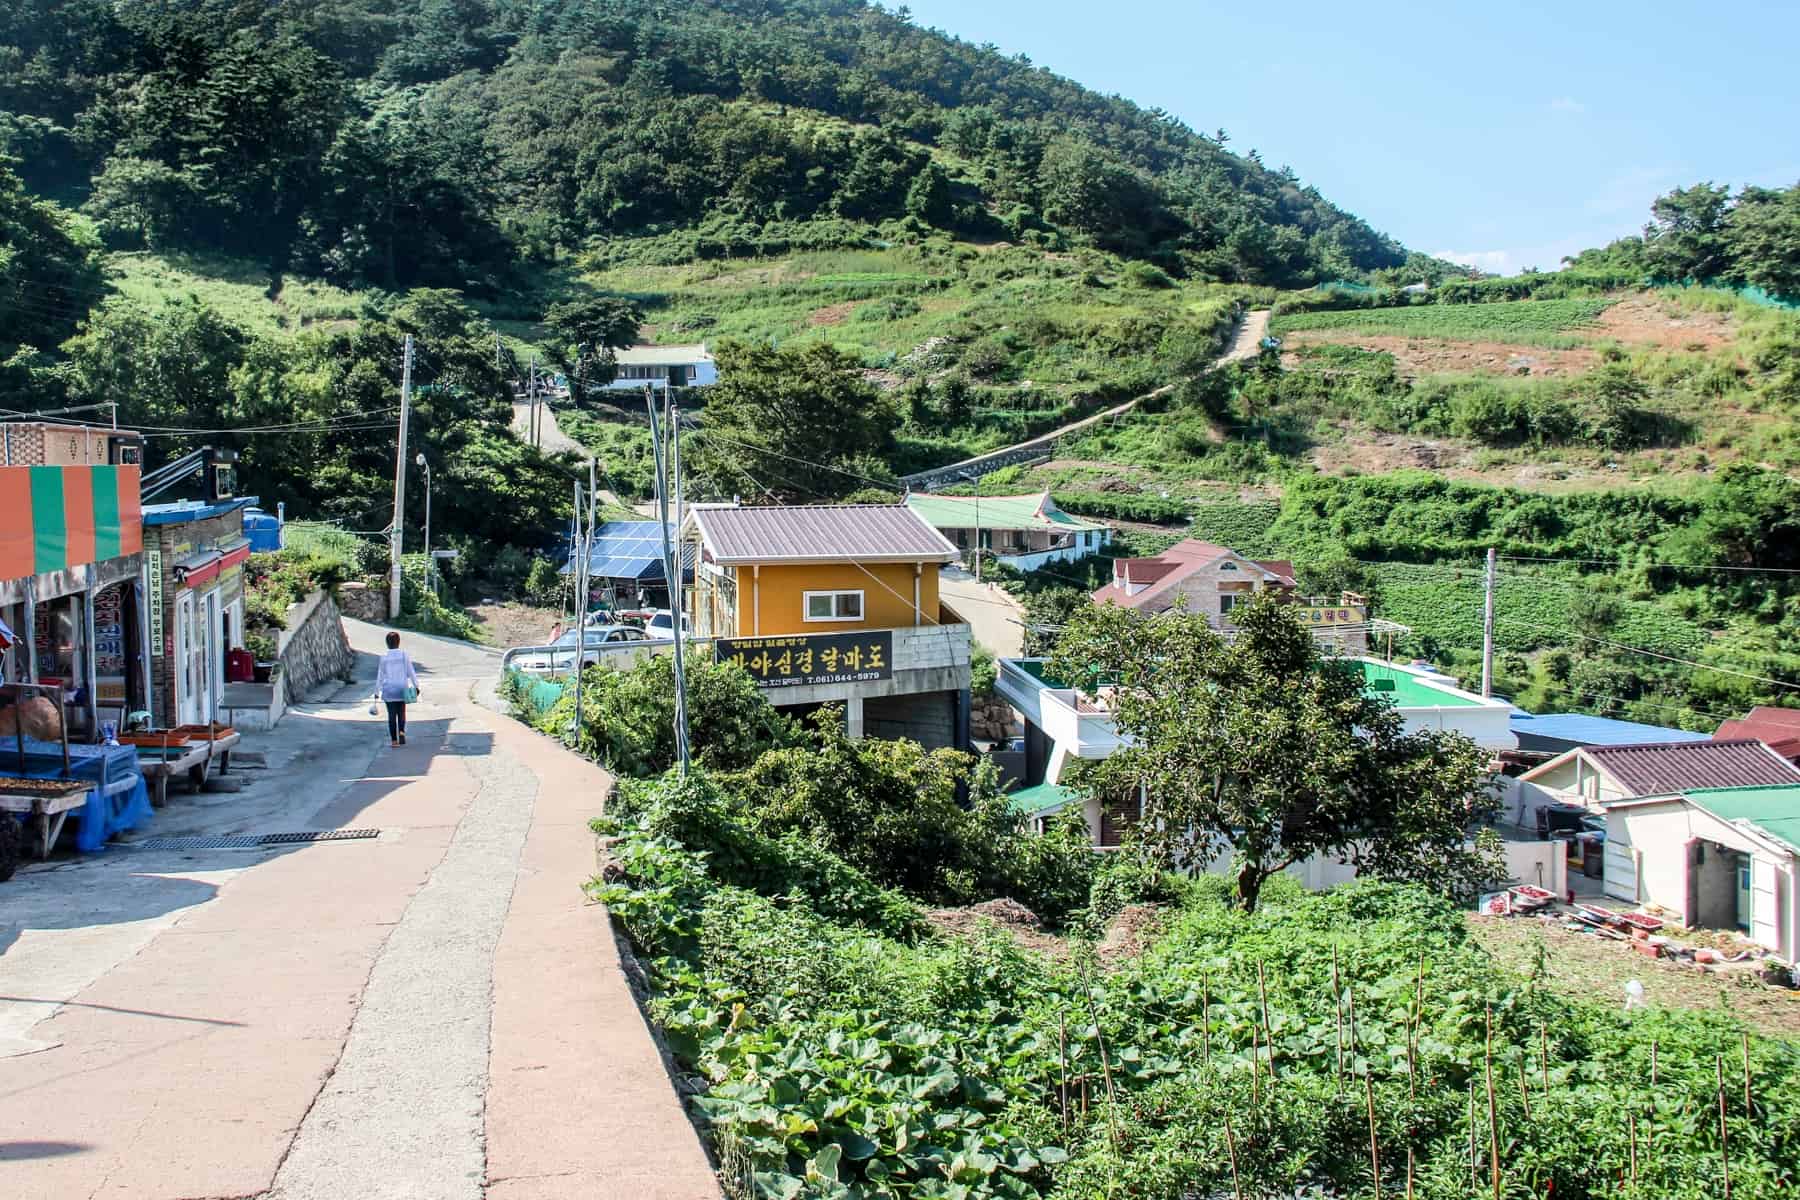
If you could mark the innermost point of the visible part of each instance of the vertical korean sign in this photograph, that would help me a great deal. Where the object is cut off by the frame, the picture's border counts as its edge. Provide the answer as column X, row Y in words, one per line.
column 776, row 662
column 153, row 560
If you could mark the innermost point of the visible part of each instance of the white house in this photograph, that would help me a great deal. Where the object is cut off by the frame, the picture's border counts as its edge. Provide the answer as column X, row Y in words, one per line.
column 1720, row 858
column 1023, row 532
column 1063, row 724
column 1601, row 778
column 664, row 366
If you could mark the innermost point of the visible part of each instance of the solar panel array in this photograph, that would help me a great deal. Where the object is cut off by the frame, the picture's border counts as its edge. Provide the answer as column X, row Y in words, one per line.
column 627, row 550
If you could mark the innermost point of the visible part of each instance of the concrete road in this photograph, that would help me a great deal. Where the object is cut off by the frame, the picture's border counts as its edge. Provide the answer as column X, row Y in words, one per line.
column 434, row 1012
column 995, row 618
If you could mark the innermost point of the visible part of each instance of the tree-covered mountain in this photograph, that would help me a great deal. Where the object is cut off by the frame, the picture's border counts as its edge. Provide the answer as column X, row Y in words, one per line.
column 400, row 143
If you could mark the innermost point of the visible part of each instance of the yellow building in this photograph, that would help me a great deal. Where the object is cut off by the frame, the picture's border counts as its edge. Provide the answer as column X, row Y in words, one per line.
column 835, row 604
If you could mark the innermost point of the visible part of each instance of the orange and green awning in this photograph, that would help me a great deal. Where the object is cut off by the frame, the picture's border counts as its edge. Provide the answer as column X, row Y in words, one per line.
column 53, row 518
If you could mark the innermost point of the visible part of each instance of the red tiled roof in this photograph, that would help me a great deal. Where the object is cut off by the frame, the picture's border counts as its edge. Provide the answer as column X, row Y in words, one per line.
column 1169, row 568
column 1281, row 567
column 821, row 533
column 1663, row 768
column 1779, row 728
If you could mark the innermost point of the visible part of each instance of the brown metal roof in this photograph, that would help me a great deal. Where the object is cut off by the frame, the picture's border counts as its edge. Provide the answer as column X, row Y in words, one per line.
column 821, row 533
column 1662, row 768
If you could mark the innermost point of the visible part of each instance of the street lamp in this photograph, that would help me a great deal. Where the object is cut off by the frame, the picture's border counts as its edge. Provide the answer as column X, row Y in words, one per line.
column 976, row 480
column 420, row 459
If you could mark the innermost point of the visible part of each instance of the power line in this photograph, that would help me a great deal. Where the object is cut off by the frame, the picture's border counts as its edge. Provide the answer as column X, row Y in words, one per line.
column 1614, row 563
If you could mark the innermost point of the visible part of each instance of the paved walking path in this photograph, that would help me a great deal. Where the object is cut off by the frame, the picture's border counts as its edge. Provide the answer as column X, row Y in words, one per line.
column 435, row 1013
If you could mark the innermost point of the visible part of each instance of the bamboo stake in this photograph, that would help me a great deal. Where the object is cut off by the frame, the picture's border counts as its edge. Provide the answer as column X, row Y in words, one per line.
column 1631, row 1122
column 1337, row 1003
column 1544, row 1058
column 1255, row 1070
column 1206, row 1016
column 1724, row 1150
column 1374, row 1146
column 1237, row 1190
column 1409, row 1173
column 1746, row 1036
column 1493, row 1114
column 1652, row 1062
column 1062, row 1052
column 1262, row 987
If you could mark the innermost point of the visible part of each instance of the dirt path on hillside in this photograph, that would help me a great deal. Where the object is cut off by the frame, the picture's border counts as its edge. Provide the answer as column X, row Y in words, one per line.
column 553, row 440
column 1251, row 330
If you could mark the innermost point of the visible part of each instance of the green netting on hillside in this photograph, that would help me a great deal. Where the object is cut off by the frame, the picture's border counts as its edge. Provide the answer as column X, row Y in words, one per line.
column 534, row 697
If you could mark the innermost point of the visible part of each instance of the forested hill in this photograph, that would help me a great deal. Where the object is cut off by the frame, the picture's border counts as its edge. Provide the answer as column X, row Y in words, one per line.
column 401, row 143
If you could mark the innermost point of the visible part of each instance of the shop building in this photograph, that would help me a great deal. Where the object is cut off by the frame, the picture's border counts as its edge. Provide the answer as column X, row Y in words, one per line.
column 194, row 555
column 835, row 604
column 72, row 584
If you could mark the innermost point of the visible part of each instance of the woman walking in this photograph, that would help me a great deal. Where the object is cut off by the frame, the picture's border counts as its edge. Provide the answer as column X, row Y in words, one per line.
column 398, row 685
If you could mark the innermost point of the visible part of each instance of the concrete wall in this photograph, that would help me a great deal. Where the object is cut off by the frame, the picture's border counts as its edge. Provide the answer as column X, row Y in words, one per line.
column 928, row 719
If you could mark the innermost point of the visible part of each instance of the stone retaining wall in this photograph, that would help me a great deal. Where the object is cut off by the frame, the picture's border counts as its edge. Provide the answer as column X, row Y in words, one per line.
column 313, row 648
column 363, row 601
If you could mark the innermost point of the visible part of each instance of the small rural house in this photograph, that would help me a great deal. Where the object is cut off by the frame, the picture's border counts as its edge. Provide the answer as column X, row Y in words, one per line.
column 1022, row 532
column 194, row 553
column 1064, row 724
column 1722, row 858
column 835, row 604
column 664, row 367
column 1778, row 728
column 1203, row 578
column 1600, row 778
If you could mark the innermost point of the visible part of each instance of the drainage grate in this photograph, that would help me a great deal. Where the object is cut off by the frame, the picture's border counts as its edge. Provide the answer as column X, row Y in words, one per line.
column 249, row 841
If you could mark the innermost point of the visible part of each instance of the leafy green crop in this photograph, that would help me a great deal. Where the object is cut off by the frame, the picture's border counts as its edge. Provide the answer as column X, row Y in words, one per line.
column 1526, row 321
column 1241, row 1054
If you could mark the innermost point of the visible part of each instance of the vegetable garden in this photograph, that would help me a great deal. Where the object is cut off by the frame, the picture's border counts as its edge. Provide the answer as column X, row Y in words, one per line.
column 1352, row 1043
column 1524, row 321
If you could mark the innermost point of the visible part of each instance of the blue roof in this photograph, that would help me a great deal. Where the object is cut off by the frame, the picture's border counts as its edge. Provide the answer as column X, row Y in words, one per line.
column 192, row 510
column 1584, row 730
column 626, row 550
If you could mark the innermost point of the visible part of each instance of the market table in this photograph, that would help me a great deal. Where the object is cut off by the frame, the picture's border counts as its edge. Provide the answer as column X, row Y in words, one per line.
column 47, row 804
column 119, row 800
column 158, row 763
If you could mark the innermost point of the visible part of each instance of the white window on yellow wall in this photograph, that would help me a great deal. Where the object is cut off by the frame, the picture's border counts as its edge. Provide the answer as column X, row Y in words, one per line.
column 834, row 606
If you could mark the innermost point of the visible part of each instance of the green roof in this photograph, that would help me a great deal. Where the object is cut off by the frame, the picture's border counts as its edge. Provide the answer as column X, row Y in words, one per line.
column 1408, row 690
column 1773, row 808
column 1035, row 801
column 1036, row 511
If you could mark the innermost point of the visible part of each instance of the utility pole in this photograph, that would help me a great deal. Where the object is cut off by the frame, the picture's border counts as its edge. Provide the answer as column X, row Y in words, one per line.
column 672, row 573
column 531, row 402
column 395, row 535
column 1487, row 630
column 580, row 544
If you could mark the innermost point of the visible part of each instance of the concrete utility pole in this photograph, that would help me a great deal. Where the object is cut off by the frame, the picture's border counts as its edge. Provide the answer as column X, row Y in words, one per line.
column 395, row 534
column 672, row 574
column 1487, row 630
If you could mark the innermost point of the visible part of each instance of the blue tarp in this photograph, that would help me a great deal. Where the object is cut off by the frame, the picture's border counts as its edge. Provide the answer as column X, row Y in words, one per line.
column 119, row 802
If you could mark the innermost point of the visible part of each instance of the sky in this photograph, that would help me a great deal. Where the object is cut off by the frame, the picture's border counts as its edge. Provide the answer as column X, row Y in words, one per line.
column 1504, row 135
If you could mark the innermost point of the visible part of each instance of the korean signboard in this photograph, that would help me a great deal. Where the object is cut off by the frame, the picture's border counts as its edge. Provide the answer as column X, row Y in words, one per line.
column 154, row 561
column 776, row 662
column 1341, row 615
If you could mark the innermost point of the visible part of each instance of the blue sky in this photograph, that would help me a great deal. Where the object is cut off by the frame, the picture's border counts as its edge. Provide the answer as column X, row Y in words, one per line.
column 1503, row 134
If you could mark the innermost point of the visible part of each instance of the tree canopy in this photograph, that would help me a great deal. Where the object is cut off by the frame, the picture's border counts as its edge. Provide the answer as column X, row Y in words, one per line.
column 1261, row 747
column 429, row 142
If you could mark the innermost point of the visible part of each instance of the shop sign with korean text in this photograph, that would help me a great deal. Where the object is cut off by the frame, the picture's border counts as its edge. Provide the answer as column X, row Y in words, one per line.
column 776, row 662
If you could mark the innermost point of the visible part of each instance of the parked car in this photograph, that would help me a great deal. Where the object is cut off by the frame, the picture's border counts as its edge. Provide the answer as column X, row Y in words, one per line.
column 559, row 658
column 661, row 624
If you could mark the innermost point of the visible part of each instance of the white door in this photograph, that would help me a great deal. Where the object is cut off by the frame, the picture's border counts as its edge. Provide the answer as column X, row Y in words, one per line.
column 214, row 634
column 1765, row 906
column 189, row 661
column 1620, row 866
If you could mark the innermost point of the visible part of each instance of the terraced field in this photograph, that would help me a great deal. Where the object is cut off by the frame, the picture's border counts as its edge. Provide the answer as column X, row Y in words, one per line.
column 1523, row 322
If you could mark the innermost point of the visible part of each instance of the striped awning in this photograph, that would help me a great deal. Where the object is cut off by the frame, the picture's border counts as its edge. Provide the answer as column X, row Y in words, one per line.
column 54, row 518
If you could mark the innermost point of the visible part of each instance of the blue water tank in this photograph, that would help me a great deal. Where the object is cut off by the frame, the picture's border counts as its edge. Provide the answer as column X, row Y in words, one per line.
column 263, row 529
